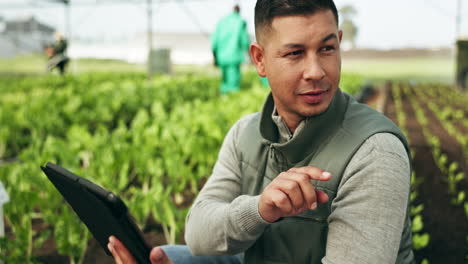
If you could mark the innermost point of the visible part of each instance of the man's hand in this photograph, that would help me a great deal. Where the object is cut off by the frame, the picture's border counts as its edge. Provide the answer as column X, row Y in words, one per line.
column 123, row 256
column 292, row 193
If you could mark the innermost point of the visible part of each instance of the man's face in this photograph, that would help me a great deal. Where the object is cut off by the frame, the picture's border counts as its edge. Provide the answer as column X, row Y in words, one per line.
column 300, row 55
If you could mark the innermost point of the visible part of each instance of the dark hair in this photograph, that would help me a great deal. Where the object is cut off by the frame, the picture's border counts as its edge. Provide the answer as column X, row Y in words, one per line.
column 267, row 10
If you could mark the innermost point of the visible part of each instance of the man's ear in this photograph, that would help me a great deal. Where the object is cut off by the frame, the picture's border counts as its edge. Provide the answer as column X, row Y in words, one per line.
column 340, row 35
column 257, row 55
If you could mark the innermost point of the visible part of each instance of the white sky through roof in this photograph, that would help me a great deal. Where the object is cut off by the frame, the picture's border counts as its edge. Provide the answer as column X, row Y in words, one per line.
column 382, row 24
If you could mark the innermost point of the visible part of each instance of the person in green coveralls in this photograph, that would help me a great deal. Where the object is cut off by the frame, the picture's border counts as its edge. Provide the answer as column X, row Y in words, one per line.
column 229, row 43
column 315, row 177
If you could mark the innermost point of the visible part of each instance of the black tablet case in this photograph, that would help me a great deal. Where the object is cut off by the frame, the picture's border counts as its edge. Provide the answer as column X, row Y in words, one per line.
column 103, row 212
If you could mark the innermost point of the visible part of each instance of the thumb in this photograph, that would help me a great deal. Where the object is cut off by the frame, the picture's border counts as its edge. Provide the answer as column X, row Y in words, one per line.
column 158, row 256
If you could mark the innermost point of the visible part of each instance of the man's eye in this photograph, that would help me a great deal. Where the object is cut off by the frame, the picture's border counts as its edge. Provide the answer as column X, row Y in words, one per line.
column 295, row 53
column 328, row 49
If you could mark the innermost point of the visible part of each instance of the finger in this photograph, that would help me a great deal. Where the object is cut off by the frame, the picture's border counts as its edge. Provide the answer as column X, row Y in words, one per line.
column 111, row 248
column 273, row 204
column 281, row 201
column 114, row 254
column 158, row 256
column 124, row 256
column 290, row 187
column 313, row 172
column 322, row 197
column 306, row 188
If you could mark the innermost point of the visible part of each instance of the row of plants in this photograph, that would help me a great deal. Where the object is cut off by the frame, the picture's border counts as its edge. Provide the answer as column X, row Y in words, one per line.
column 450, row 169
column 50, row 105
column 448, row 115
column 448, row 106
column 448, row 97
column 421, row 239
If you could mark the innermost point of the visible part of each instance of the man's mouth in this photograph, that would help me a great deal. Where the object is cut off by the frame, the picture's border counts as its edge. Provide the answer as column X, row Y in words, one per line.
column 314, row 96
column 315, row 92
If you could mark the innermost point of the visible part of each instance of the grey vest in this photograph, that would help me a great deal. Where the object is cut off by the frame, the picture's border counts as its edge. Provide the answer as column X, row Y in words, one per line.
column 327, row 141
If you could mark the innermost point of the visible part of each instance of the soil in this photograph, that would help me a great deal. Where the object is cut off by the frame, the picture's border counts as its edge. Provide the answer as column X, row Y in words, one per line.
column 446, row 223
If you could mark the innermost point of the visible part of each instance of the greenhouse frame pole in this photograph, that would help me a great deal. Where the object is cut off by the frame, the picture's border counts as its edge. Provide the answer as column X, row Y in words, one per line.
column 67, row 20
column 458, row 19
column 150, row 38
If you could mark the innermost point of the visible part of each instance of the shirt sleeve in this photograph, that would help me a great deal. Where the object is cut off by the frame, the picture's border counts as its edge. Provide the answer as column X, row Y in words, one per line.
column 221, row 220
column 369, row 211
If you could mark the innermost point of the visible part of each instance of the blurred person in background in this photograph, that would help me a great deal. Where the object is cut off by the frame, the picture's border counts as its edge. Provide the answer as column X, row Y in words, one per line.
column 229, row 44
column 315, row 177
column 57, row 54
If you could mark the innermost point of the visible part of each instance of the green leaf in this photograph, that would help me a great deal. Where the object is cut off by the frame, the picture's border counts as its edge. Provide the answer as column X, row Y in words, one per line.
column 460, row 176
column 453, row 167
column 466, row 209
column 442, row 161
column 460, row 197
column 417, row 224
column 417, row 210
column 420, row 241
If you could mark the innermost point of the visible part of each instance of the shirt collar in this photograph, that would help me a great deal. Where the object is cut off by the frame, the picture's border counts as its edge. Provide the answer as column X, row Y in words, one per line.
column 312, row 132
column 284, row 133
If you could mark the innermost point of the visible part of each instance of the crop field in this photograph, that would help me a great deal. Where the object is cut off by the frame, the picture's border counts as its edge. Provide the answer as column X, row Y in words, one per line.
column 435, row 121
column 151, row 142
column 154, row 144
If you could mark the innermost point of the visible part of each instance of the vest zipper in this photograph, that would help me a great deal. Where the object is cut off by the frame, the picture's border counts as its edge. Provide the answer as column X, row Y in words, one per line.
column 308, row 219
column 279, row 158
column 271, row 151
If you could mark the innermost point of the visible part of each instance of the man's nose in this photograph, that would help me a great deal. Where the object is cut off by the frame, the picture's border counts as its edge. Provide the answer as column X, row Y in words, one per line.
column 313, row 69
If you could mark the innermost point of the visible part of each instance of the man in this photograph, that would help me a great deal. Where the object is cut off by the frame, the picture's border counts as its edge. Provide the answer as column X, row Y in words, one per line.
column 57, row 54
column 315, row 177
column 229, row 43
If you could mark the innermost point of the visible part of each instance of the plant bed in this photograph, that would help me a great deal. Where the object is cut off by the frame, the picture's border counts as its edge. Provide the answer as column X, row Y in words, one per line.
column 445, row 222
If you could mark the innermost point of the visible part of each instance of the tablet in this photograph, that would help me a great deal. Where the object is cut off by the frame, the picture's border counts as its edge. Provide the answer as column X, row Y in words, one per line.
column 103, row 212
